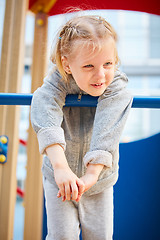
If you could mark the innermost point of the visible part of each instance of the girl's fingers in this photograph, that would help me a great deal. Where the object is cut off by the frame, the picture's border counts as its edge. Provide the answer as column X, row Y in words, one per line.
column 67, row 192
column 59, row 194
column 78, row 198
column 74, row 190
column 81, row 187
column 62, row 191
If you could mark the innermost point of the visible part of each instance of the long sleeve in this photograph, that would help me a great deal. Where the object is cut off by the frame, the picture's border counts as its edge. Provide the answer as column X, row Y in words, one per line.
column 46, row 111
column 111, row 114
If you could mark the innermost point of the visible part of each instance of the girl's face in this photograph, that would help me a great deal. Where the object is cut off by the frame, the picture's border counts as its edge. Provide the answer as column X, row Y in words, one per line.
column 93, row 70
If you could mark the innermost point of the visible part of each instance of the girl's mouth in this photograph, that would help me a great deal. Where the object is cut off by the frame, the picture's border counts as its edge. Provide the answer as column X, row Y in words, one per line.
column 97, row 85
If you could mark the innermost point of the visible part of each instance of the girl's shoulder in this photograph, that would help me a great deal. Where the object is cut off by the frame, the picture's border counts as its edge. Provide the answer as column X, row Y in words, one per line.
column 55, row 78
column 120, row 76
column 120, row 80
column 119, row 84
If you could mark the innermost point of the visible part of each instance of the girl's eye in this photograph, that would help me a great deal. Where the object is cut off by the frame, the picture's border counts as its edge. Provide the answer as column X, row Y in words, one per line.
column 88, row 66
column 108, row 63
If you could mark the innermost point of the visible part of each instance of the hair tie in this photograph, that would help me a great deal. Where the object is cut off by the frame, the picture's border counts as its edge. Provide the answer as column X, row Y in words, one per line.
column 60, row 38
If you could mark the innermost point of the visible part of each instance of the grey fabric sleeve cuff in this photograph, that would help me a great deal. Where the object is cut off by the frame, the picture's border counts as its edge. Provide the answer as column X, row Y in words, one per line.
column 49, row 136
column 98, row 157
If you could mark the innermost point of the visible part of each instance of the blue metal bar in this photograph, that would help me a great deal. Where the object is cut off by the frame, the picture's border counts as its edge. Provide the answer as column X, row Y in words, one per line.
column 15, row 99
column 72, row 100
column 146, row 102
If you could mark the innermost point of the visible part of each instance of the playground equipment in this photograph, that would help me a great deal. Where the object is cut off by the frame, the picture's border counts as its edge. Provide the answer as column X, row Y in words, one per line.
column 130, row 191
column 11, row 73
column 136, row 193
column 3, row 148
column 71, row 100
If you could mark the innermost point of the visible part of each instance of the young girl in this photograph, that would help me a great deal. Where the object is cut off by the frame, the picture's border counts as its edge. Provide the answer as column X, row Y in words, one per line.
column 81, row 144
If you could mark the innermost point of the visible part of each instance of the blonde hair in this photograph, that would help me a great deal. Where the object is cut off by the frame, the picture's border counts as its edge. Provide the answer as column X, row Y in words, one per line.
column 89, row 29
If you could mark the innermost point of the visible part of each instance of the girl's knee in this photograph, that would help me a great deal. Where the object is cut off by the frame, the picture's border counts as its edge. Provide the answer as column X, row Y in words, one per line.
column 63, row 234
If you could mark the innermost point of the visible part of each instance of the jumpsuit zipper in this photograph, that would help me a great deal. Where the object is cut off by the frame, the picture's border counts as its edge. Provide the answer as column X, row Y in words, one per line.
column 79, row 96
column 81, row 135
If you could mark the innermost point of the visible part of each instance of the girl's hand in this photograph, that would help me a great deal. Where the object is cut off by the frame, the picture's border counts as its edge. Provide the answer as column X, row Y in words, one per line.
column 70, row 186
column 89, row 180
column 91, row 176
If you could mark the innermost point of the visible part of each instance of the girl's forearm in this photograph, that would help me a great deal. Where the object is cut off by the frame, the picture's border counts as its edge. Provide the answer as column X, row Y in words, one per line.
column 94, row 169
column 57, row 157
column 91, row 176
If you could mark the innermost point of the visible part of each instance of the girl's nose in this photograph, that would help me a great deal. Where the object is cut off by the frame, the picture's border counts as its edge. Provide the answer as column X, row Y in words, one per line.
column 100, row 73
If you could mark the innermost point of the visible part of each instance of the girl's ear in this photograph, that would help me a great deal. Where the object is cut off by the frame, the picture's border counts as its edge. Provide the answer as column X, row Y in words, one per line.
column 65, row 64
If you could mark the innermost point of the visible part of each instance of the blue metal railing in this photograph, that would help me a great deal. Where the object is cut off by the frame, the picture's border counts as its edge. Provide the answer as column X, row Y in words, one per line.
column 71, row 100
